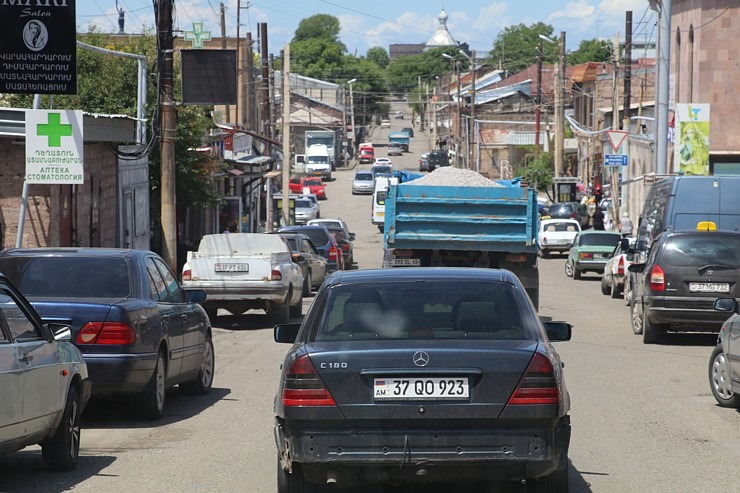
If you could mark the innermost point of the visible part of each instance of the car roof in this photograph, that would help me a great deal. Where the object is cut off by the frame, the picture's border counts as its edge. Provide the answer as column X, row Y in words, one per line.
column 556, row 220
column 464, row 274
column 74, row 251
column 363, row 172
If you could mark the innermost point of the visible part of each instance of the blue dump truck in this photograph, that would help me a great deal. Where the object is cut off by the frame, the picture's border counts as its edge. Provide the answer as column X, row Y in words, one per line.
column 401, row 138
column 463, row 226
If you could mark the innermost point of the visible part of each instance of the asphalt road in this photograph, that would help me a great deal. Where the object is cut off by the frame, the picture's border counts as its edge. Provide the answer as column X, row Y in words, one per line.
column 643, row 416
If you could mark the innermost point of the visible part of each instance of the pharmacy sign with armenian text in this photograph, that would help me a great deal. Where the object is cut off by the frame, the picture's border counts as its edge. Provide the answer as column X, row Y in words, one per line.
column 54, row 147
column 38, row 52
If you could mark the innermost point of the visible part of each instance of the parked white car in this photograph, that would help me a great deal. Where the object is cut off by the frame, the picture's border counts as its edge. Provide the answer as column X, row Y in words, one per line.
column 616, row 272
column 243, row 271
column 556, row 235
column 44, row 383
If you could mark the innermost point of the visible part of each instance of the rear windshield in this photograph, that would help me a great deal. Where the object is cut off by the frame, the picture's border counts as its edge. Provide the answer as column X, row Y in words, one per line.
column 304, row 203
column 364, row 176
column 312, row 183
column 438, row 310
column 317, row 236
column 700, row 251
column 560, row 227
column 600, row 240
column 69, row 277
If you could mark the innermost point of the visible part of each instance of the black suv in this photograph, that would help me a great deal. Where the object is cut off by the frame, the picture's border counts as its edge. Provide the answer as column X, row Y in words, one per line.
column 438, row 159
column 684, row 273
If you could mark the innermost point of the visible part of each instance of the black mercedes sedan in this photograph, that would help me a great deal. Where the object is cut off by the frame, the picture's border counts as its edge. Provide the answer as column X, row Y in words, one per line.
column 418, row 375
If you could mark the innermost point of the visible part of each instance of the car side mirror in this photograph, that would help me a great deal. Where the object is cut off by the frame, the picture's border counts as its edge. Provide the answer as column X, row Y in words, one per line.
column 297, row 257
column 558, row 331
column 196, row 295
column 352, row 237
column 61, row 332
column 726, row 305
column 286, row 333
column 624, row 244
column 636, row 268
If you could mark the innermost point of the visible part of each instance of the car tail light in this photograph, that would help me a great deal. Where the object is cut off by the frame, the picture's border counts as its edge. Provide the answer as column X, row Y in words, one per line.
column 276, row 275
column 657, row 279
column 544, row 240
column 620, row 266
column 539, row 385
column 573, row 215
column 110, row 333
column 586, row 255
column 333, row 253
column 303, row 386
column 187, row 275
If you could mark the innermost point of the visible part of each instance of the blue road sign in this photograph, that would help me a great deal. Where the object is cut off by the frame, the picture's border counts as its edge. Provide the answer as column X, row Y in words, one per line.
column 616, row 159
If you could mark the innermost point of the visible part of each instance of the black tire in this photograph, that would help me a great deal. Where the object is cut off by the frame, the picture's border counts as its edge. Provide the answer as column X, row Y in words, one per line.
column 545, row 253
column 281, row 312
column 212, row 313
column 616, row 291
column 569, row 268
column 151, row 401
column 294, row 482
column 297, row 309
column 61, row 452
column 720, row 380
column 650, row 333
column 636, row 319
column 307, row 284
column 204, row 381
column 556, row 482
column 576, row 273
column 605, row 289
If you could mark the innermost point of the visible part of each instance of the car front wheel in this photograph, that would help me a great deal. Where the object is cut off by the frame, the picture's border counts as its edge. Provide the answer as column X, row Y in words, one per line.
column 720, row 381
column 61, row 452
column 636, row 319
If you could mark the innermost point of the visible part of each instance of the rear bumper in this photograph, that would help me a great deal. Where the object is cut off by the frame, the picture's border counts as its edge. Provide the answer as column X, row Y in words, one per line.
column 120, row 373
column 247, row 292
column 591, row 265
column 683, row 313
column 383, row 455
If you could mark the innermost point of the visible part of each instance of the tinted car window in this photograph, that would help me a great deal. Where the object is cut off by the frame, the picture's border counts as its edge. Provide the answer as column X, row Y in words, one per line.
column 599, row 240
column 20, row 326
column 309, row 182
column 364, row 176
column 73, row 277
column 689, row 251
column 317, row 236
column 382, row 169
column 175, row 294
column 303, row 203
column 400, row 311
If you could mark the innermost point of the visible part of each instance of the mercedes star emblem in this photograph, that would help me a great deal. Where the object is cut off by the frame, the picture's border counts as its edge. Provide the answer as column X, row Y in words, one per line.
column 420, row 358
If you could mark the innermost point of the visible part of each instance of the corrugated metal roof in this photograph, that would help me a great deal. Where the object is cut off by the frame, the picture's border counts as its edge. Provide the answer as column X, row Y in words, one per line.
column 525, row 139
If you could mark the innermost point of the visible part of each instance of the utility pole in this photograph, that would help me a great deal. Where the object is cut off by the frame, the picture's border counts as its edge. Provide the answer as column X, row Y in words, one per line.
column 560, row 83
column 250, row 104
column 627, row 106
column 227, row 108
column 167, row 138
column 265, row 93
column 538, row 101
column 615, row 125
column 286, row 134
column 239, row 67
column 352, row 114
column 471, row 124
column 664, row 57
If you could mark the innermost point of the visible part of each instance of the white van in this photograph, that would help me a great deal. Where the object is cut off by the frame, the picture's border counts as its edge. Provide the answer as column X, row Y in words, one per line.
column 379, row 194
column 317, row 161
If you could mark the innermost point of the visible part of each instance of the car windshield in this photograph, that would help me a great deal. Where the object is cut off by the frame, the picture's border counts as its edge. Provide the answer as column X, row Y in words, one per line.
column 382, row 170
column 699, row 251
column 561, row 209
column 600, row 240
column 303, row 204
column 69, row 277
column 364, row 176
column 439, row 310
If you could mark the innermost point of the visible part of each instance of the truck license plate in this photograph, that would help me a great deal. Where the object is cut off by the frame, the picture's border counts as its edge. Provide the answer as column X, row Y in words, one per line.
column 423, row 388
column 231, row 267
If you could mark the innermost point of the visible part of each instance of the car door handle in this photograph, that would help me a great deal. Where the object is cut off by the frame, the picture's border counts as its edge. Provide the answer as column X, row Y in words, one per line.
column 26, row 359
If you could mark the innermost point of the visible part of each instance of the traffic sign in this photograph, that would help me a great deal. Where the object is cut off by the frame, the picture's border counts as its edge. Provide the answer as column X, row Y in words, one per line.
column 616, row 159
column 616, row 137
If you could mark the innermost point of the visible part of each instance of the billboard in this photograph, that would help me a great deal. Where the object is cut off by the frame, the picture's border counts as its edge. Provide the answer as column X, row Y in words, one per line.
column 691, row 148
column 38, row 54
column 209, row 77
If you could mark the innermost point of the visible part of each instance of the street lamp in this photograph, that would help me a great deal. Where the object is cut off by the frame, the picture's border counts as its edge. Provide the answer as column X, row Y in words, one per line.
column 352, row 112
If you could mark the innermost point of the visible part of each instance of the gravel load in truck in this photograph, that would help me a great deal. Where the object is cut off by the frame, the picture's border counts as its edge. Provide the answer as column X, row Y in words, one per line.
column 454, row 177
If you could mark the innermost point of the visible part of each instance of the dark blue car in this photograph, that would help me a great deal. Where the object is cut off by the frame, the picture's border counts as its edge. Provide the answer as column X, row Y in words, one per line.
column 139, row 331
column 324, row 242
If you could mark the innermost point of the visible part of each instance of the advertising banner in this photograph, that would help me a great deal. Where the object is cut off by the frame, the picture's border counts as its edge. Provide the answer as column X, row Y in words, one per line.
column 38, row 54
column 691, row 149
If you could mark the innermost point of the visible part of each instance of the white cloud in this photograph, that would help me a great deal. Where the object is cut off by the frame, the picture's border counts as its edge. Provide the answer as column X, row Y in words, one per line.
column 491, row 16
column 409, row 27
column 575, row 10
column 619, row 7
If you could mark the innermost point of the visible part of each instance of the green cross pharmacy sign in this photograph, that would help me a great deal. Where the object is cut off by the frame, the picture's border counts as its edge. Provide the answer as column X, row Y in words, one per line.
column 54, row 147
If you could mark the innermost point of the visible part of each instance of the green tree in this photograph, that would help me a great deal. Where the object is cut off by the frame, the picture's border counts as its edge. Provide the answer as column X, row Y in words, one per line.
column 319, row 58
column 591, row 50
column 319, row 26
column 405, row 72
column 515, row 48
column 378, row 56
column 538, row 172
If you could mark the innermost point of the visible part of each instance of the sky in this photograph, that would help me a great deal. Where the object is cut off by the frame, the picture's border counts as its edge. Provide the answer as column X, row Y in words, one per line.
column 383, row 22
